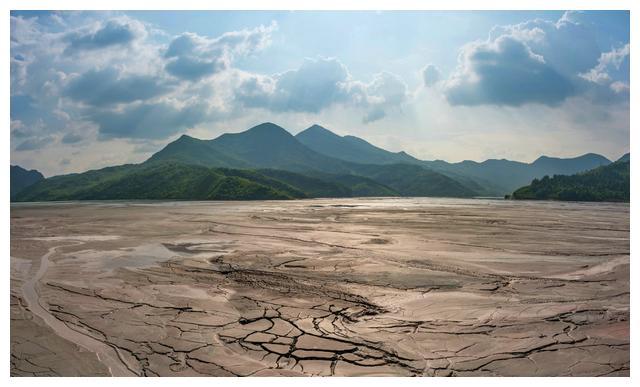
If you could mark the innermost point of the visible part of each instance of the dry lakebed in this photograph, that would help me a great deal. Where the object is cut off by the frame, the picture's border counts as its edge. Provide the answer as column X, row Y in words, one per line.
column 345, row 287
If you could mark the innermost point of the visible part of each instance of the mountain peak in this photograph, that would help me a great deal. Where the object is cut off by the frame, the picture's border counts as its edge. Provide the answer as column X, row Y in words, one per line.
column 185, row 137
column 624, row 158
column 22, row 178
column 587, row 156
column 316, row 130
column 318, row 127
column 268, row 128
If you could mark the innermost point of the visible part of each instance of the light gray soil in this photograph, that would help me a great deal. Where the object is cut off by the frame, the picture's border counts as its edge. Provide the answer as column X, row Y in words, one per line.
column 320, row 287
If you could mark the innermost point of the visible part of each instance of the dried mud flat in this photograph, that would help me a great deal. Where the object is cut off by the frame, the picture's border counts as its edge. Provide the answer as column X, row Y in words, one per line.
column 404, row 287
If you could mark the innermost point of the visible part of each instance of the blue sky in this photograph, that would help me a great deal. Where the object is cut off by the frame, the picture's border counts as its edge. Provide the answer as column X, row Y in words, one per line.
column 91, row 89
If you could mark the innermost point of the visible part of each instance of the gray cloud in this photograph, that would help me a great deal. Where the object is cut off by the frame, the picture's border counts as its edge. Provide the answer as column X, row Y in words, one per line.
column 314, row 86
column 72, row 138
column 192, row 57
column 430, row 75
column 374, row 114
column 319, row 84
column 567, row 45
column 538, row 61
column 110, row 33
column 107, row 87
column 386, row 89
column 21, row 107
column 506, row 72
column 34, row 143
column 192, row 68
column 148, row 121
column 311, row 88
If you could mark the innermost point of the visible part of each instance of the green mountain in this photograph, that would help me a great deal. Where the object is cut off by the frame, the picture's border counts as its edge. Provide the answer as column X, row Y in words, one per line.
column 489, row 178
column 501, row 176
column 330, row 185
column 167, row 180
column 625, row 157
column 571, row 165
column 414, row 180
column 21, row 178
column 178, row 181
column 267, row 162
column 349, row 148
column 263, row 146
column 189, row 150
column 361, row 186
column 606, row 183
column 268, row 146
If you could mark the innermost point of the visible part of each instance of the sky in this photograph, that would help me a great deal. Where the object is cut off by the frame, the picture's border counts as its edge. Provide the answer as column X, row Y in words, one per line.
column 95, row 89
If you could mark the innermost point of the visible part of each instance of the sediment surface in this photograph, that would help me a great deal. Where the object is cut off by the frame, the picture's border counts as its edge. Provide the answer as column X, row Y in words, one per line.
column 404, row 287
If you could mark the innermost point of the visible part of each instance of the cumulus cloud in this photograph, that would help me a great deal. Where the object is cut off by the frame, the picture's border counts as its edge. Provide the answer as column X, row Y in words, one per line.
column 538, row 61
column 193, row 57
column 108, row 86
column 78, row 77
column 34, row 143
column 611, row 60
column 318, row 84
column 310, row 88
column 384, row 93
column 148, row 121
column 568, row 45
column 430, row 75
column 619, row 87
column 113, row 32
column 72, row 138
column 505, row 72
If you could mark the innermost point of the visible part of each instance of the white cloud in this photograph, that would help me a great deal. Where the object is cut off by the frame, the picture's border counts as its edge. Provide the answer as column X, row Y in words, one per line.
column 619, row 87
column 113, row 32
column 505, row 72
column 318, row 84
column 608, row 60
column 193, row 57
column 430, row 75
column 537, row 61
column 105, row 85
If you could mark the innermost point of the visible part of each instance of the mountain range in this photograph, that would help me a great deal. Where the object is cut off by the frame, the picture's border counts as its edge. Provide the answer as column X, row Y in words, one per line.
column 267, row 161
column 606, row 183
column 22, row 178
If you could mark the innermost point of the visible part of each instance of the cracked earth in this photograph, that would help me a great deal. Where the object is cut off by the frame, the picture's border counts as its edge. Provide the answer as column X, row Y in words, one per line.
column 345, row 287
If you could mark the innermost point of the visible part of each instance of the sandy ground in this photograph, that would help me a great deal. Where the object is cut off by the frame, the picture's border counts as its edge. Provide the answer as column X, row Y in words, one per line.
column 320, row 287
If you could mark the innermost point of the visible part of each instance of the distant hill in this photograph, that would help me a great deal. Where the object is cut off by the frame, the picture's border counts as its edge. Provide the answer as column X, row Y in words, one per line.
column 414, row 180
column 159, row 181
column 570, row 165
column 330, row 185
column 267, row 162
column 349, row 148
column 178, row 181
column 488, row 178
column 605, row 183
column 21, row 178
column 625, row 157
column 503, row 176
column 361, row 186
